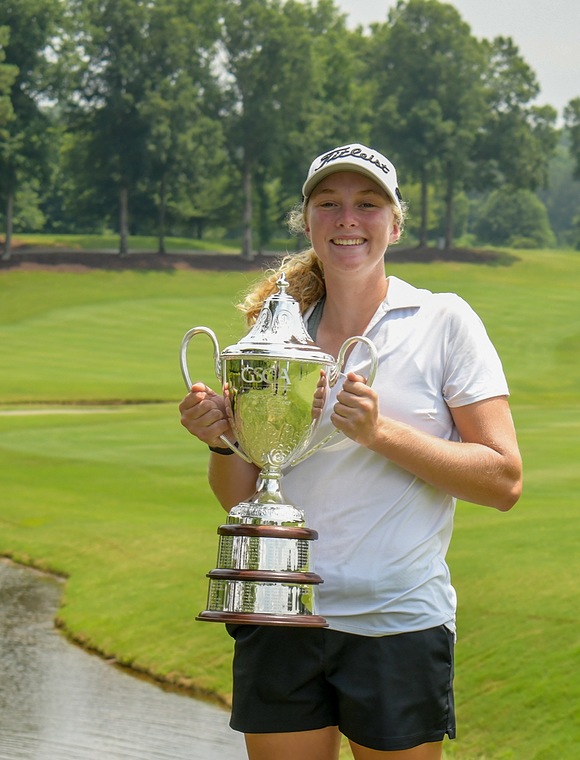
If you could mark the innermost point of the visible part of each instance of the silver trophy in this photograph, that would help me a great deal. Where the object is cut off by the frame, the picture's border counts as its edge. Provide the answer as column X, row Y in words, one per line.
column 275, row 382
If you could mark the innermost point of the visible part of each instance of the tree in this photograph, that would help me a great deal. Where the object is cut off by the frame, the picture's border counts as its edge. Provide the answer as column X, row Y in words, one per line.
column 143, row 70
column 286, row 101
column 562, row 193
column 25, row 140
column 332, row 110
column 185, row 155
column 184, row 145
column 111, row 36
column 572, row 123
column 8, row 74
column 255, row 60
column 514, row 217
column 428, row 97
column 517, row 138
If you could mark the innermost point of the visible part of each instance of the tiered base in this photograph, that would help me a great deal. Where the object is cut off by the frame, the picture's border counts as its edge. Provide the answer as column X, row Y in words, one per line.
column 262, row 577
column 257, row 618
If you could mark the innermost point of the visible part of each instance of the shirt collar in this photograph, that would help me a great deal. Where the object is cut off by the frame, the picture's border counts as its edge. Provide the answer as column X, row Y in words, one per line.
column 401, row 295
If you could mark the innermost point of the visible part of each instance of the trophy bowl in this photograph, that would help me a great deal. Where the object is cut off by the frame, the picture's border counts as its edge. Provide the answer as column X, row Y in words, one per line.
column 275, row 382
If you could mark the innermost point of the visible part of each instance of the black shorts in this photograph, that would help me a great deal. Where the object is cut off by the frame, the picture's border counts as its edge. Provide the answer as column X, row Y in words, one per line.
column 386, row 693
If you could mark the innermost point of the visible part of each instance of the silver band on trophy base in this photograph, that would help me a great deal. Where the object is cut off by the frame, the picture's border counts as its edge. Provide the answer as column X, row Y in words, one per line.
column 275, row 382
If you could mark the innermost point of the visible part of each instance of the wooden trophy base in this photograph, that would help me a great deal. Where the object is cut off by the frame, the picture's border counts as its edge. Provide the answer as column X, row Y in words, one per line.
column 261, row 618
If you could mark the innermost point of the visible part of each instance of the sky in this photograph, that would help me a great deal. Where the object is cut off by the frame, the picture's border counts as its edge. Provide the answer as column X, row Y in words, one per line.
column 547, row 33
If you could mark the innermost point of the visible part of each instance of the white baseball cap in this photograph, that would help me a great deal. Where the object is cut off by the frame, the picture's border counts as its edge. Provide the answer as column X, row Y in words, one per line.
column 354, row 158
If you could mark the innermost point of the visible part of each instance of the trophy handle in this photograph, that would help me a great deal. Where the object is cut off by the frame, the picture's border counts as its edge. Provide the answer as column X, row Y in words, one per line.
column 218, row 371
column 333, row 377
column 344, row 348
column 183, row 353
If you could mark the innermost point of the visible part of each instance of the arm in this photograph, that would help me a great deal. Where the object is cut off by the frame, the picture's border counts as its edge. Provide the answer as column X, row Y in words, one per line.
column 231, row 479
column 484, row 467
column 203, row 413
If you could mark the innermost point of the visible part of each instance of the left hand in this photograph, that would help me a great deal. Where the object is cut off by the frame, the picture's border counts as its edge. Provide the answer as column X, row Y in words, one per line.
column 356, row 412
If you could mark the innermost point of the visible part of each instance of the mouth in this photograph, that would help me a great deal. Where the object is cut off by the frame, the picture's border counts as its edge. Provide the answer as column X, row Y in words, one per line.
column 346, row 242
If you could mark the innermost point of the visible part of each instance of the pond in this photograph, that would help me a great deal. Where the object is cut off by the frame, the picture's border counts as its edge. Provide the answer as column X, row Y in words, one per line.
column 57, row 702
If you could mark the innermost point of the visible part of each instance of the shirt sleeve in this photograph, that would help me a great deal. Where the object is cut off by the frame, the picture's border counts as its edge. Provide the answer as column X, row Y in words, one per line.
column 473, row 370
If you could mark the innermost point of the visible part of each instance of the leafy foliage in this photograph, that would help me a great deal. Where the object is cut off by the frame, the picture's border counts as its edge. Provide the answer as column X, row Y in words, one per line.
column 572, row 119
column 517, row 218
column 8, row 74
column 175, row 117
column 25, row 142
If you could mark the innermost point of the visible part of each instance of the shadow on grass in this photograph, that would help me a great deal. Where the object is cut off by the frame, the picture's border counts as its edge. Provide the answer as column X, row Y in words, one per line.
column 29, row 258
column 465, row 255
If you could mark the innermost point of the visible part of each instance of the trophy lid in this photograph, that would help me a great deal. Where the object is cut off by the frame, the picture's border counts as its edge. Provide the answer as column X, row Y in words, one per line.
column 279, row 332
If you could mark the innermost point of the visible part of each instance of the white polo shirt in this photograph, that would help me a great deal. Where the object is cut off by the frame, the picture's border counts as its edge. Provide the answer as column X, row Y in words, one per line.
column 383, row 533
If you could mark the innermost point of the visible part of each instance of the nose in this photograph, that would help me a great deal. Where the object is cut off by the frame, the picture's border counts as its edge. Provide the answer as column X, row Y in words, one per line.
column 346, row 217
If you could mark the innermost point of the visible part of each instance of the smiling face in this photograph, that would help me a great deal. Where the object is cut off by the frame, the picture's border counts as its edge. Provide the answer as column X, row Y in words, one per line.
column 350, row 223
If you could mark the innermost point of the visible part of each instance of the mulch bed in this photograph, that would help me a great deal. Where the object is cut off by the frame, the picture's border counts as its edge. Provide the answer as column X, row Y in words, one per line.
column 31, row 258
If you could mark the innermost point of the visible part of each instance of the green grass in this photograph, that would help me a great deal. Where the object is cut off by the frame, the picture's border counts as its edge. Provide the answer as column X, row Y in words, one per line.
column 107, row 335
column 110, row 242
column 115, row 496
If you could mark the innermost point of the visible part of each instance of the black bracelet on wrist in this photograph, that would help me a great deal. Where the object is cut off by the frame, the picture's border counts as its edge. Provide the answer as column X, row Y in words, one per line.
column 217, row 450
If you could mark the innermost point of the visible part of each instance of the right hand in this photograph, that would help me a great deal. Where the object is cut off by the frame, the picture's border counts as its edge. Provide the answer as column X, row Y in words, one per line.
column 203, row 413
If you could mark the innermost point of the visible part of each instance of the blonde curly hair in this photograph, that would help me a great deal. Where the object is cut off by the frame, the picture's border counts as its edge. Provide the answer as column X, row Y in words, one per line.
column 303, row 270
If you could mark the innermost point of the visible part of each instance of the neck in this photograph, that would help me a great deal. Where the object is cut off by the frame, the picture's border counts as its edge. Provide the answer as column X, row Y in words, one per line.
column 347, row 312
column 357, row 300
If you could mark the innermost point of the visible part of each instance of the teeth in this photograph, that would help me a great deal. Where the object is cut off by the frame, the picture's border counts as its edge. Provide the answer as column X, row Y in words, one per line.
column 348, row 241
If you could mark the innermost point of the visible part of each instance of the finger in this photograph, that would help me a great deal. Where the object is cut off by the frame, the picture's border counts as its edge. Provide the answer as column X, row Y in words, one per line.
column 207, row 426
column 354, row 378
column 351, row 394
column 205, row 410
column 192, row 400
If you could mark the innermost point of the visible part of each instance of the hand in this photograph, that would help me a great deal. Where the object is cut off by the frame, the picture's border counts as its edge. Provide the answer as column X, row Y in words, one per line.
column 320, row 394
column 204, row 414
column 356, row 412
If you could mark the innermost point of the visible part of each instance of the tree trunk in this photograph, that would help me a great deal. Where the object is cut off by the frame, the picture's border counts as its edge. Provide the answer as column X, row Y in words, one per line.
column 449, row 214
column 247, row 250
column 123, row 221
column 162, row 214
column 9, row 222
column 423, row 234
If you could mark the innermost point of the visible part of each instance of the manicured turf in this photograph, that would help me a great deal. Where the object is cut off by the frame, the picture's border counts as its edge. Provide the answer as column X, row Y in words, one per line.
column 115, row 496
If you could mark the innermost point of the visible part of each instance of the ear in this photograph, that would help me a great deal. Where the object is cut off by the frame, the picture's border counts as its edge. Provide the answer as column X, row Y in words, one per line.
column 395, row 234
column 306, row 226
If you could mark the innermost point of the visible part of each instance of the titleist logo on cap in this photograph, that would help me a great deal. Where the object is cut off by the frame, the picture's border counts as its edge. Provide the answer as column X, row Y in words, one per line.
column 355, row 153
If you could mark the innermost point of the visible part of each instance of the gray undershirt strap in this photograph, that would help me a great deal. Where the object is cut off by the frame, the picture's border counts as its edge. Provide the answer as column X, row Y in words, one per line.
column 315, row 317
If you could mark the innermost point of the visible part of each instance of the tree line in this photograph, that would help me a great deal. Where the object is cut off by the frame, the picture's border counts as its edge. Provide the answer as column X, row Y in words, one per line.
column 178, row 117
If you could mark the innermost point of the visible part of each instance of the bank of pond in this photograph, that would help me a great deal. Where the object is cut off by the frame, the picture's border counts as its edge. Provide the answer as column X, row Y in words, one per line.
column 58, row 702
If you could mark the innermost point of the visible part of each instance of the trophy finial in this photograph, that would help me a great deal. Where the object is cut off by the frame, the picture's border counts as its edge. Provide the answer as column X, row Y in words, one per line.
column 280, row 326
